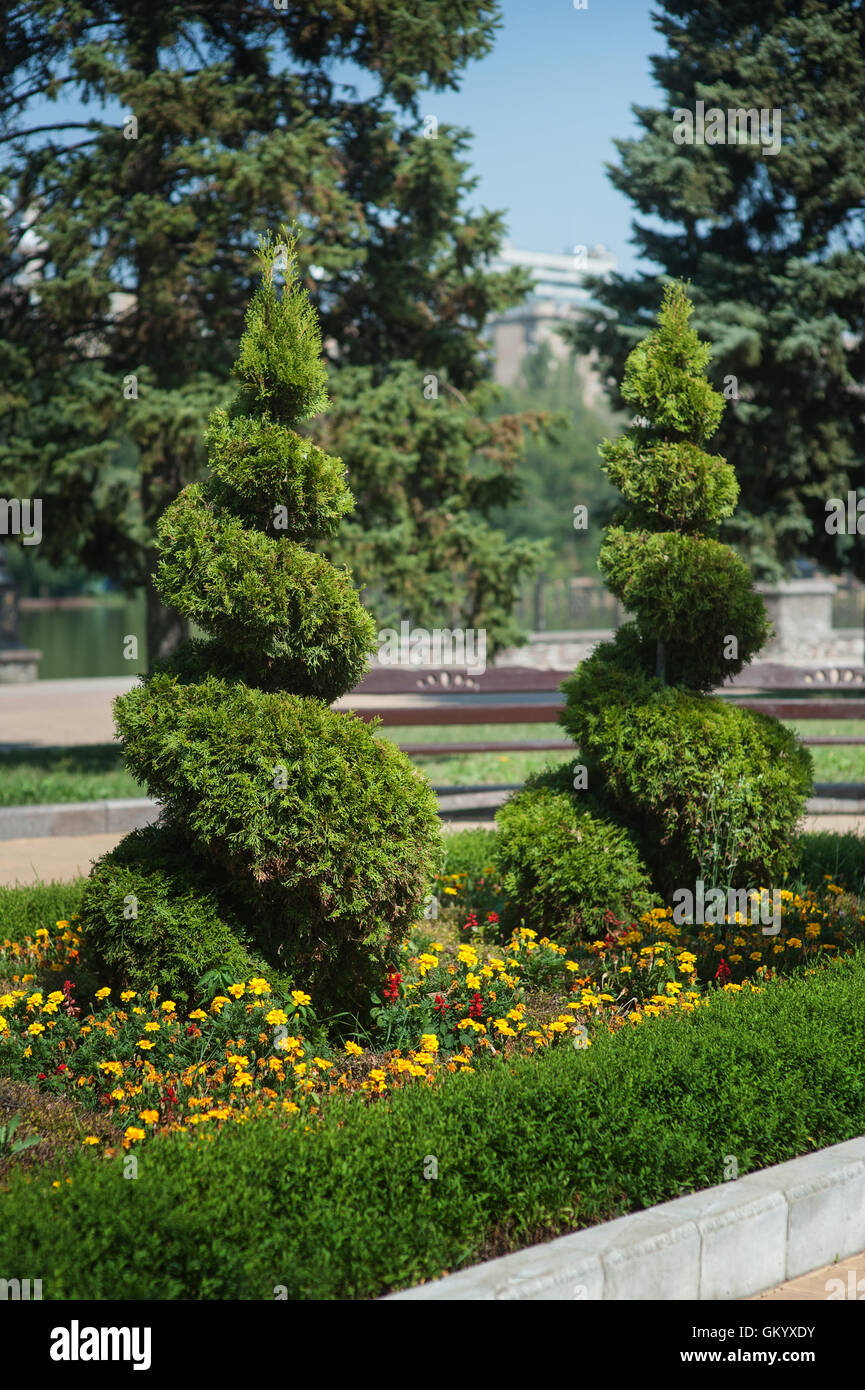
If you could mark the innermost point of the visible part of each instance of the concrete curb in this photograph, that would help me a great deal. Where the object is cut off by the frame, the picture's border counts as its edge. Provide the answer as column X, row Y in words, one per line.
column 76, row 818
column 98, row 817
column 727, row 1242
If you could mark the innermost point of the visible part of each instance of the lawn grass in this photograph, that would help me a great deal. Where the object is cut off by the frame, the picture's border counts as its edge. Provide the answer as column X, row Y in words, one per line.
column 94, row 773
column 87, row 773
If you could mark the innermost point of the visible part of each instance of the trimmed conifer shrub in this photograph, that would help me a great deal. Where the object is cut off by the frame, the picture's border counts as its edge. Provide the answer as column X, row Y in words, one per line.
column 706, row 789
column 308, row 841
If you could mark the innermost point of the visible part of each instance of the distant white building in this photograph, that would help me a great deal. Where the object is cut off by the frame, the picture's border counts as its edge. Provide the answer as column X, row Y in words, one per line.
column 559, row 295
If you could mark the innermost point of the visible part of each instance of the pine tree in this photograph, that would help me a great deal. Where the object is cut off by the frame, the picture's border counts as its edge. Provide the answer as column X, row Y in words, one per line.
column 145, row 148
column 771, row 242
column 304, row 840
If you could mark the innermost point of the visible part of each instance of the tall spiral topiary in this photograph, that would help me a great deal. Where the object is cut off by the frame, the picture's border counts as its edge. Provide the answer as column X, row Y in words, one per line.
column 291, row 838
column 702, row 788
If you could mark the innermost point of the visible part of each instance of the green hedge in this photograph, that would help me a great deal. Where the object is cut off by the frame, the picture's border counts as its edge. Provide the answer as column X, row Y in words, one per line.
column 526, row 1149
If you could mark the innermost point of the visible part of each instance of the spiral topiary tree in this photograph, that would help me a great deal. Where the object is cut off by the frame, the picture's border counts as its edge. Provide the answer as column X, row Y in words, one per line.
column 703, row 788
column 291, row 838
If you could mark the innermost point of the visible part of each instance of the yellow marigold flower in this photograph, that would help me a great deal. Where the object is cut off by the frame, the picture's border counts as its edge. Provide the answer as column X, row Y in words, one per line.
column 118, row 1094
column 56, row 997
column 90, row 1139
column 756, row 955
column 102, row 993
column 276, row 1017
column 241, row 1078
column 322, row 1062
column 425, row 1057
column 735, row 958
column 36, row 1028
column 132, row 1133
column 259, row 986
column 148, row 1116
column 794, row 941
column 198, row 1015
column 138, row 1009
column 35, row 1001
column 128, row 994
column 290, row 1108
column 151, row 1028
column 145, row 1045
column 218, row 1004
column 168, row 1006
column 300, row 998
column 352, row 1049
column 557, row 1027
column 236, row 991
column 502, row 1026
column 429, row 1042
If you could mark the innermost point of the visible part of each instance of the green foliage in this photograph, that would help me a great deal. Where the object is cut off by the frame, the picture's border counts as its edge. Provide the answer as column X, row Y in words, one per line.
column 707, row 789
column 686, row 488
column 559, row 466
column 154, row 920
column 23, row 910
column 429, row 472
column 822, row 854
column 569, row 870
column 295, row 819
column 527, row 1149
column 243, row 137
column 772, row 245
column 472, row 852
column 291, row 617
column 279, row 362
column 662, row 753
column 10, row 1147
column 691, row 593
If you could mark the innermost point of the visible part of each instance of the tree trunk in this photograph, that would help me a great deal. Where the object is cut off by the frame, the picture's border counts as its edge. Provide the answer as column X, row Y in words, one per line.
column 165, row 628
column 661, row 662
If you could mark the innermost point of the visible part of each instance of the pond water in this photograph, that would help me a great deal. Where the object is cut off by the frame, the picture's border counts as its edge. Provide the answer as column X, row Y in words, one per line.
column 90, row 641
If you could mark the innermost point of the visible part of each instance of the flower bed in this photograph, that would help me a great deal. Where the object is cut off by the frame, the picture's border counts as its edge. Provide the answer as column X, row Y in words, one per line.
column 378, row 1196
column 449, row 1003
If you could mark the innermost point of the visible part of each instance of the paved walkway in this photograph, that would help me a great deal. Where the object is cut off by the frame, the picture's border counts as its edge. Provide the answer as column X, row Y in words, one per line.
column 51, row 858
column 819, row 1286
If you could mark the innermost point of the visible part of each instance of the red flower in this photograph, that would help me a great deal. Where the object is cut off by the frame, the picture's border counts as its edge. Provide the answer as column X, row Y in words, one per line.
column 476, row 1006
column 392, row 984
column 41, row 1076
column 723, row 972
column 62, row 1067
column 492, row 917
column 440, row 1006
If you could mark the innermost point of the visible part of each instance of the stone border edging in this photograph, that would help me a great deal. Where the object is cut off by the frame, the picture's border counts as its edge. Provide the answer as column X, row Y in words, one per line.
column 76, row 818
column 122, row 815
column 727, row 1242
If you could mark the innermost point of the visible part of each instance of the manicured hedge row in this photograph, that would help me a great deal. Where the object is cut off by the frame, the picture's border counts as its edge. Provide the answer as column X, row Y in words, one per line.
column 525, row 1150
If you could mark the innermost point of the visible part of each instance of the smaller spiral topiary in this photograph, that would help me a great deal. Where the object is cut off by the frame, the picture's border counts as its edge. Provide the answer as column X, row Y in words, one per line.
column 663, row 758
column 299, row 836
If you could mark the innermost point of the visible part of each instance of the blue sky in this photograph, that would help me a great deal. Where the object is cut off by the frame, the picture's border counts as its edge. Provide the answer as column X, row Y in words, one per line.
column 545, row 106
